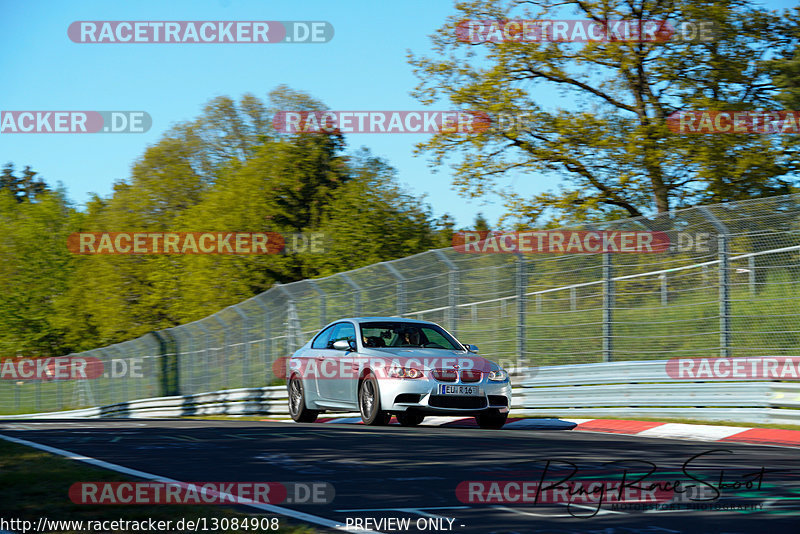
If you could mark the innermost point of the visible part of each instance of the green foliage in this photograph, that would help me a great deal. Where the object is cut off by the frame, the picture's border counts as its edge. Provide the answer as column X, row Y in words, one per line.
column 610, row 141
column 34, row 267
column 229, row 171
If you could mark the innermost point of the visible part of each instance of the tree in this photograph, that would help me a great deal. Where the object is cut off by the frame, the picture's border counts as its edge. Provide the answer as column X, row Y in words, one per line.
column 34, row 267
column 27, row 187
column 787, row 68
column 611, row 143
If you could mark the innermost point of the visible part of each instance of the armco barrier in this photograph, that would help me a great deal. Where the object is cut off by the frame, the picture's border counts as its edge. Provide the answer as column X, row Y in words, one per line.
column 620, row 389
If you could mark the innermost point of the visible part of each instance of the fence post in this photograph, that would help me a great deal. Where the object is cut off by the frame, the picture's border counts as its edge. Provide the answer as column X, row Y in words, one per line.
column 664, row 289
column 751, row 278
column 356, row 294
column 246, row 375
column 724, row 282
column 401, row 288
column 162, row 354
column 452, row 296
column 323, row 306
column 608, row 308
column 267, row 339
column 291, row 319
column 124, row 379
column 206, row 354
column 225, row 344
column 522, row 284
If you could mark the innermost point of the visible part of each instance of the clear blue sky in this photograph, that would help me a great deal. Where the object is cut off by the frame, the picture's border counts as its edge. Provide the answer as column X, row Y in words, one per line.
column 363, row 68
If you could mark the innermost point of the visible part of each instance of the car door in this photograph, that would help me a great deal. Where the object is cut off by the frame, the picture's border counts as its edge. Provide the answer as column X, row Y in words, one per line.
column 333, row 380
column 309, row 361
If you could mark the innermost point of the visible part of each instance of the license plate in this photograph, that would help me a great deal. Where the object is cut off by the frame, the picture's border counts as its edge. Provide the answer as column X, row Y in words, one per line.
column 458, row 390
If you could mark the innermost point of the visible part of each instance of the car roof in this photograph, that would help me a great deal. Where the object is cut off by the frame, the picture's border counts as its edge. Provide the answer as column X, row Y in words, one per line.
column 375, row 319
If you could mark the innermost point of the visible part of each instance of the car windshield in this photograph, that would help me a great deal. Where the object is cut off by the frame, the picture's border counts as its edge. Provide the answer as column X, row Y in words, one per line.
column 387, row 334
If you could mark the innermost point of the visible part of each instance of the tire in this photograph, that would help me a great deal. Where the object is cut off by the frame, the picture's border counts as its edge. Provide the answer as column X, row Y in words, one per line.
column 491, row 419
column 297, row 403
column 409, row 419
column 369, row 403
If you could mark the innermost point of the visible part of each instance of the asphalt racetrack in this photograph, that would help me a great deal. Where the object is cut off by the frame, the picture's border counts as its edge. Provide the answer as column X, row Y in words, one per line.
column 412, row 473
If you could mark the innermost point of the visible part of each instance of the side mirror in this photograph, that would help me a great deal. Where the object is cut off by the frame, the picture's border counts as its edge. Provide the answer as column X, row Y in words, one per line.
column 471, row 348
column 345, row 344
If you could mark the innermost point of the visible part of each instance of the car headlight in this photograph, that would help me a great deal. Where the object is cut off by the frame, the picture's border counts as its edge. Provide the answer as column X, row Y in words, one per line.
column 404, row 372
column 498, row 375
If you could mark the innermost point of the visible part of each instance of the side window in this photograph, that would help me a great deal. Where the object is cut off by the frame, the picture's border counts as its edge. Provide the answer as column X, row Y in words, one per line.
column 343, row 331
column 321, row 341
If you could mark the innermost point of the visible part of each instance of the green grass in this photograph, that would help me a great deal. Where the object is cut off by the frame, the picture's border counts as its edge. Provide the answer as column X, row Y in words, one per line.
column 35, row 484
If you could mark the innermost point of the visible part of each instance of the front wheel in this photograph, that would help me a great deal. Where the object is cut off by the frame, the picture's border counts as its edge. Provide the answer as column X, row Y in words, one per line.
column 409, row 419
column 369, row 403
column 491, row 419
column 297, row 403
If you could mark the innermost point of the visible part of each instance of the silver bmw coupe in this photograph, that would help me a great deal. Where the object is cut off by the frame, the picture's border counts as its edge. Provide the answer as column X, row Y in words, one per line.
column 384, row 366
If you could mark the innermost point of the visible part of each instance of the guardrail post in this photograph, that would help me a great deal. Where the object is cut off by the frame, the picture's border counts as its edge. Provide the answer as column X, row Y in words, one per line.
column 400, row 308
column 246, row 375
column 522, row 284
column 356, row 294
column 452, row 293
column 608, row 308
column 724, row 282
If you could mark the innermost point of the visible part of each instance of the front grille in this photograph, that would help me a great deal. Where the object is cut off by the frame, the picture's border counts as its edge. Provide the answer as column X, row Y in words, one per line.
column 498, row 400
column 452, row 401
column 470, row 375
column 445, row 375
column 408, row 397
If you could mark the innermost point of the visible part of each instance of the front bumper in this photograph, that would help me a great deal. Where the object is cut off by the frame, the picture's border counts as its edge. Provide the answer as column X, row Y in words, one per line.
column 422, row 395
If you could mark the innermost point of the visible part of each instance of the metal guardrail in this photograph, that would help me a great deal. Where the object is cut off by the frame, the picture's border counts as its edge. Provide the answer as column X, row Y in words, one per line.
column 624, row 389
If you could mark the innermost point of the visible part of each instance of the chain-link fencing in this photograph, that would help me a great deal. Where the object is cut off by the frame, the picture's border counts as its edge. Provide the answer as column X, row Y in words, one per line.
column 728, row 286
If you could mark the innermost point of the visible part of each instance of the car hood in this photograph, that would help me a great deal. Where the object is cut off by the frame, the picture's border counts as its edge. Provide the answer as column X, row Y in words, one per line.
column 428, row 358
